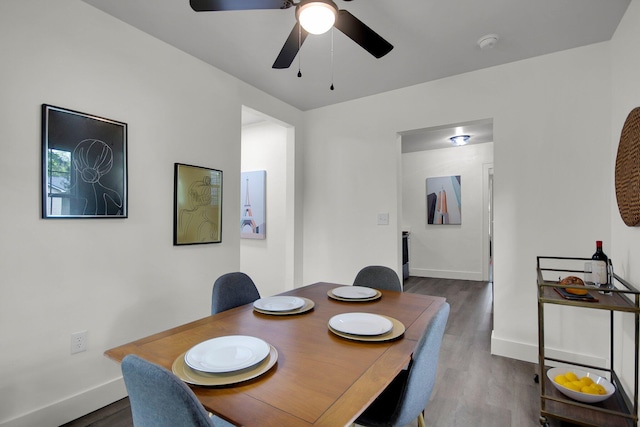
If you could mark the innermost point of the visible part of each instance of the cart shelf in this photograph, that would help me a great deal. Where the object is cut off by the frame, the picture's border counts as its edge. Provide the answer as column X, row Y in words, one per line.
column 620, row 409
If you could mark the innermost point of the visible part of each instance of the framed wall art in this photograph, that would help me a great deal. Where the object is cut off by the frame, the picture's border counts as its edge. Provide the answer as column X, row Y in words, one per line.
column 253, row 200
column 84, row 165
column 443, row 200
column 197, row 215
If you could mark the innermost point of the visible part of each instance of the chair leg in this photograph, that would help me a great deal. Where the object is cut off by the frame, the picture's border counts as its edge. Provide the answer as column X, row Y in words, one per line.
column 421, row 421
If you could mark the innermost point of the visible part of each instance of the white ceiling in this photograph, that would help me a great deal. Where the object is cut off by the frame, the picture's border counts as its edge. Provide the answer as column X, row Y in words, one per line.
column 434, row 138
column 432, row 39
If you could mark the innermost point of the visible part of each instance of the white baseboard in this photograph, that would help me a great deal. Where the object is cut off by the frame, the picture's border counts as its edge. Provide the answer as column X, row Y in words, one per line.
column 529, row 353
column 514, row 350
column 445, row 274
column 69, row 409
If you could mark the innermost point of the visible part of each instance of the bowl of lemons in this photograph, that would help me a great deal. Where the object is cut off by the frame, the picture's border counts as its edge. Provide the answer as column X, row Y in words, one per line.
column 581, row 385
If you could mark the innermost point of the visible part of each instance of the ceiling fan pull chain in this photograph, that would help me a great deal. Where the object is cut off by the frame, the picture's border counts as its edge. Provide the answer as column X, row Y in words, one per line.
column 331, row 59
column 299, row 53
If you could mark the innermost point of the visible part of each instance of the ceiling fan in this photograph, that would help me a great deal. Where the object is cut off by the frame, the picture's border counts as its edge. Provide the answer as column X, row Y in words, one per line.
column 344, row 21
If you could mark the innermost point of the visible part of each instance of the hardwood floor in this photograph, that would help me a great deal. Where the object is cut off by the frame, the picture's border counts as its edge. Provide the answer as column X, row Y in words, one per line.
column 473, row 388
column 117, row 414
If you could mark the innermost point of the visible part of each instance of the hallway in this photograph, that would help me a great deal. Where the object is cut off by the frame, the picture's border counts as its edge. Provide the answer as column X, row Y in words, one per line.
column 473, row 387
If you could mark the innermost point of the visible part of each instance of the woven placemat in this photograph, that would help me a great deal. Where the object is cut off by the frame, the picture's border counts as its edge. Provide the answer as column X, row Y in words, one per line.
column 628, row 170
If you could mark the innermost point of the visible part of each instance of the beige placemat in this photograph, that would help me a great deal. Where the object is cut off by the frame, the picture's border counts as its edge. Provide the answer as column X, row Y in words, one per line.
column 373, row 298
column 308, row 305
column 192, row 376
column 395, row 332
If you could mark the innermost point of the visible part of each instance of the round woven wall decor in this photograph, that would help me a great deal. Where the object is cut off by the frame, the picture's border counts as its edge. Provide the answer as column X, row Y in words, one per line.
column 628, row 170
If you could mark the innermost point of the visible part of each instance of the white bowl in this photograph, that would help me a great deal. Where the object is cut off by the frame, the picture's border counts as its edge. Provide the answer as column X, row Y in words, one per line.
column 579, row 396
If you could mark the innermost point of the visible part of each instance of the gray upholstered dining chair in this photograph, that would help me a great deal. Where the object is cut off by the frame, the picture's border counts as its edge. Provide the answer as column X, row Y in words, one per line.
column 378, row 277
column 160, row 399
column 232, row 290
column 407, row 396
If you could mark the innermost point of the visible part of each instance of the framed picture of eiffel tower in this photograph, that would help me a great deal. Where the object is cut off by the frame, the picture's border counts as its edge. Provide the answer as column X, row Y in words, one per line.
column 253, row 195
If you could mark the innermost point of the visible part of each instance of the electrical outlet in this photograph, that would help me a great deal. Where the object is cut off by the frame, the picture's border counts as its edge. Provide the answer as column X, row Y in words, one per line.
column 78, row 342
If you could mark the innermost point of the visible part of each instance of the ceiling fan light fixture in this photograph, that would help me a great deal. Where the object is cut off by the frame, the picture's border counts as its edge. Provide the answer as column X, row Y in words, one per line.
column 459, row 139
column 317, row 17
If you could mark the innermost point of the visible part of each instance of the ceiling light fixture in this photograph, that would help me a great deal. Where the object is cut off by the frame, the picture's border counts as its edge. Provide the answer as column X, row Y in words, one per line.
column 459, row 139
column 318, row 16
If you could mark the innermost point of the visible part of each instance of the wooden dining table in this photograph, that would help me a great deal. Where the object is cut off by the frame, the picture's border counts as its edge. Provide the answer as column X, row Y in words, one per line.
column 320, row 378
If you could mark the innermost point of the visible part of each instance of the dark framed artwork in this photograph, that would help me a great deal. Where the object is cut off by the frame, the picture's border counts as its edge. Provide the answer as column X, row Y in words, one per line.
column 197, row 214
column 84, row 165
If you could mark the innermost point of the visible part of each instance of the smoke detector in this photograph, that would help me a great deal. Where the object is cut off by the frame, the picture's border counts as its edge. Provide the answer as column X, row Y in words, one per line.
column 488, row 41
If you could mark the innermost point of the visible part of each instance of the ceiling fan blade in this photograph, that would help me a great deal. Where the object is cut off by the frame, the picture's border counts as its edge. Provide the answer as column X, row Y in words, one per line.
column 220, row 5
column 291, row 47
column 357, row 31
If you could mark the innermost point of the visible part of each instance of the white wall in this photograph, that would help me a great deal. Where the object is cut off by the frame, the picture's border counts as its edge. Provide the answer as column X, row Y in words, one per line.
column 351, row 173
column 556, row 124
column 120, row 279
column 447, row 251
column 264, row 147
column 625, row 251
column 626, row 96
column 552, row 178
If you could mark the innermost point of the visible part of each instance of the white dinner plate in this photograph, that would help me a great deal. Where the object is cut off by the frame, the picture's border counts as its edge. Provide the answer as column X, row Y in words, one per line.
column 192, row 376
column 279, row 303
column 227, row 354
column 361, row 324
column 354, row 292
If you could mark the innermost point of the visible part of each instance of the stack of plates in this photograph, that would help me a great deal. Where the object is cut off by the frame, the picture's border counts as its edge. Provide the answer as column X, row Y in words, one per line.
column 282, row 305
column 366, row 327
column 225, row 360
column 354, row 293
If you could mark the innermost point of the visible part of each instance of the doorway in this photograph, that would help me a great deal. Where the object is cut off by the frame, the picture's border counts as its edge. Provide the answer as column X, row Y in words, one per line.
column 488, row 222
column 453, row 251
column 267, row 146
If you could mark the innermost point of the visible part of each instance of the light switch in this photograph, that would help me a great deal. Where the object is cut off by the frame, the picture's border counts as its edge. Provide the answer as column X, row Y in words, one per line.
column 383, row 219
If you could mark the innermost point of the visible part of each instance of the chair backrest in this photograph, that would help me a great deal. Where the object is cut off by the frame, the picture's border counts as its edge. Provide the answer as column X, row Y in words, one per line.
column 422, row 370
column 378, row 277
column 232, row 290
column 160, row 399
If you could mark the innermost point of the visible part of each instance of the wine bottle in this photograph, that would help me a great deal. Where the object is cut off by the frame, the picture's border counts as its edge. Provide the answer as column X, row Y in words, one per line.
column 599, row 266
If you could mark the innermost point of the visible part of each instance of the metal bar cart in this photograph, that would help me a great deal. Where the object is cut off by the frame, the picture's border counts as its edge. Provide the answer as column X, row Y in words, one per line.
column 618, row 410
